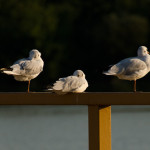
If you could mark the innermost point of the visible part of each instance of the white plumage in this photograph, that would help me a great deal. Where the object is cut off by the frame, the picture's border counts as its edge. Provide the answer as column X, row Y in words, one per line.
column 132, row 68
column 26, row 69
column 75, row 84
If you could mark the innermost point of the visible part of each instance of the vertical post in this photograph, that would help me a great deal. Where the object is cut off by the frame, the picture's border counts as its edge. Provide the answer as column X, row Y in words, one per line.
column 93, row 119
column 105, row 127
column 99, row 127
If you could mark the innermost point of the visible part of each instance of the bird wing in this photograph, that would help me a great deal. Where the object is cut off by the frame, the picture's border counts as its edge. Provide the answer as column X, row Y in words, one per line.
column 28, row 66
column 127, row 67
column 132, row 65
column 68, row 84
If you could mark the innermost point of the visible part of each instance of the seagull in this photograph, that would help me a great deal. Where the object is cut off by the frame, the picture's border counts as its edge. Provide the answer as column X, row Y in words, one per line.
column 132, row 68
column 74, row 84
column 26, row 69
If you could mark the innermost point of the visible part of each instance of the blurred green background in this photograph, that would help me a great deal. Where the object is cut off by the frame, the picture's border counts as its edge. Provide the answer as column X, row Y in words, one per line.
column 73, row 34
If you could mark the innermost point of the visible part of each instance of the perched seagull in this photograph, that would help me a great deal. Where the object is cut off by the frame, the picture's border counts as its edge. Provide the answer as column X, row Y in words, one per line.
column 26, row 69
column 75, row 84
column 132, row 68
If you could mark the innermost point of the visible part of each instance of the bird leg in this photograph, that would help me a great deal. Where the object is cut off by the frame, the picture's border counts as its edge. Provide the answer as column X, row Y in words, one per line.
column 28, row 86
column 134, row 85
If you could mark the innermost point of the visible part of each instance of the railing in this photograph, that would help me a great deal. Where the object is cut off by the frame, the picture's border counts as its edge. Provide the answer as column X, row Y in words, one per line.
column 99, row 109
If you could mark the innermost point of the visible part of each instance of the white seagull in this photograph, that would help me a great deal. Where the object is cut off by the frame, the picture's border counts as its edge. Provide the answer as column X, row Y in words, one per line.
column 75, row 84
column 26, row 69
column 132, row 68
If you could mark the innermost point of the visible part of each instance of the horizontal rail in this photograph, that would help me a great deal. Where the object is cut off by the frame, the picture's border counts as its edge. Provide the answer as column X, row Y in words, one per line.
column 91, row 98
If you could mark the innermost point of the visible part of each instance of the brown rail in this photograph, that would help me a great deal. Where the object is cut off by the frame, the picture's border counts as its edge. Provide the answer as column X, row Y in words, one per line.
column 99, row 109
column 99, row 98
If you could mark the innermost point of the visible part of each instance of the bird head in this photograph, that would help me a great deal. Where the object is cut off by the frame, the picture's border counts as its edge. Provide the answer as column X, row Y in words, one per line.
column 142, row 51
column 79, row 73
column 34, row 54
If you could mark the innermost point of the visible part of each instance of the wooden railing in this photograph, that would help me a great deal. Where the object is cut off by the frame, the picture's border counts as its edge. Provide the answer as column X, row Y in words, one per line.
column 99, row 109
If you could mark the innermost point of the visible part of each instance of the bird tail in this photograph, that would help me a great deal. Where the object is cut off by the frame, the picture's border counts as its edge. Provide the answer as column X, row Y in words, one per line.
column 2, row 70
column 49, row 88
column 8, row 71
column 109, row 72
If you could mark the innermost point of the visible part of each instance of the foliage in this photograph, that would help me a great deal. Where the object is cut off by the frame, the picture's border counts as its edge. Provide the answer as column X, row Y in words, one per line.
column 73, row 34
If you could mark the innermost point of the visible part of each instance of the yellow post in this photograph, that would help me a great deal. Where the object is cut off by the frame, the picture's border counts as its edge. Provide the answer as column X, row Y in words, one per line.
column 105, row 127
column 99, row 127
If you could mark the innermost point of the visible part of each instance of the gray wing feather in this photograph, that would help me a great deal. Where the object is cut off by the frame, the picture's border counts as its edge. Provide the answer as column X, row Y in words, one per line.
column 130, row 66
column 27, row 66
column 127, row 67
column 67, row 84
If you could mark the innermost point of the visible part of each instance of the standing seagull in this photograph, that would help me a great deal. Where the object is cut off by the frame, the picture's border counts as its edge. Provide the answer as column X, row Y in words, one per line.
column 75, row 84
column 26, row 69
column 132, row 68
